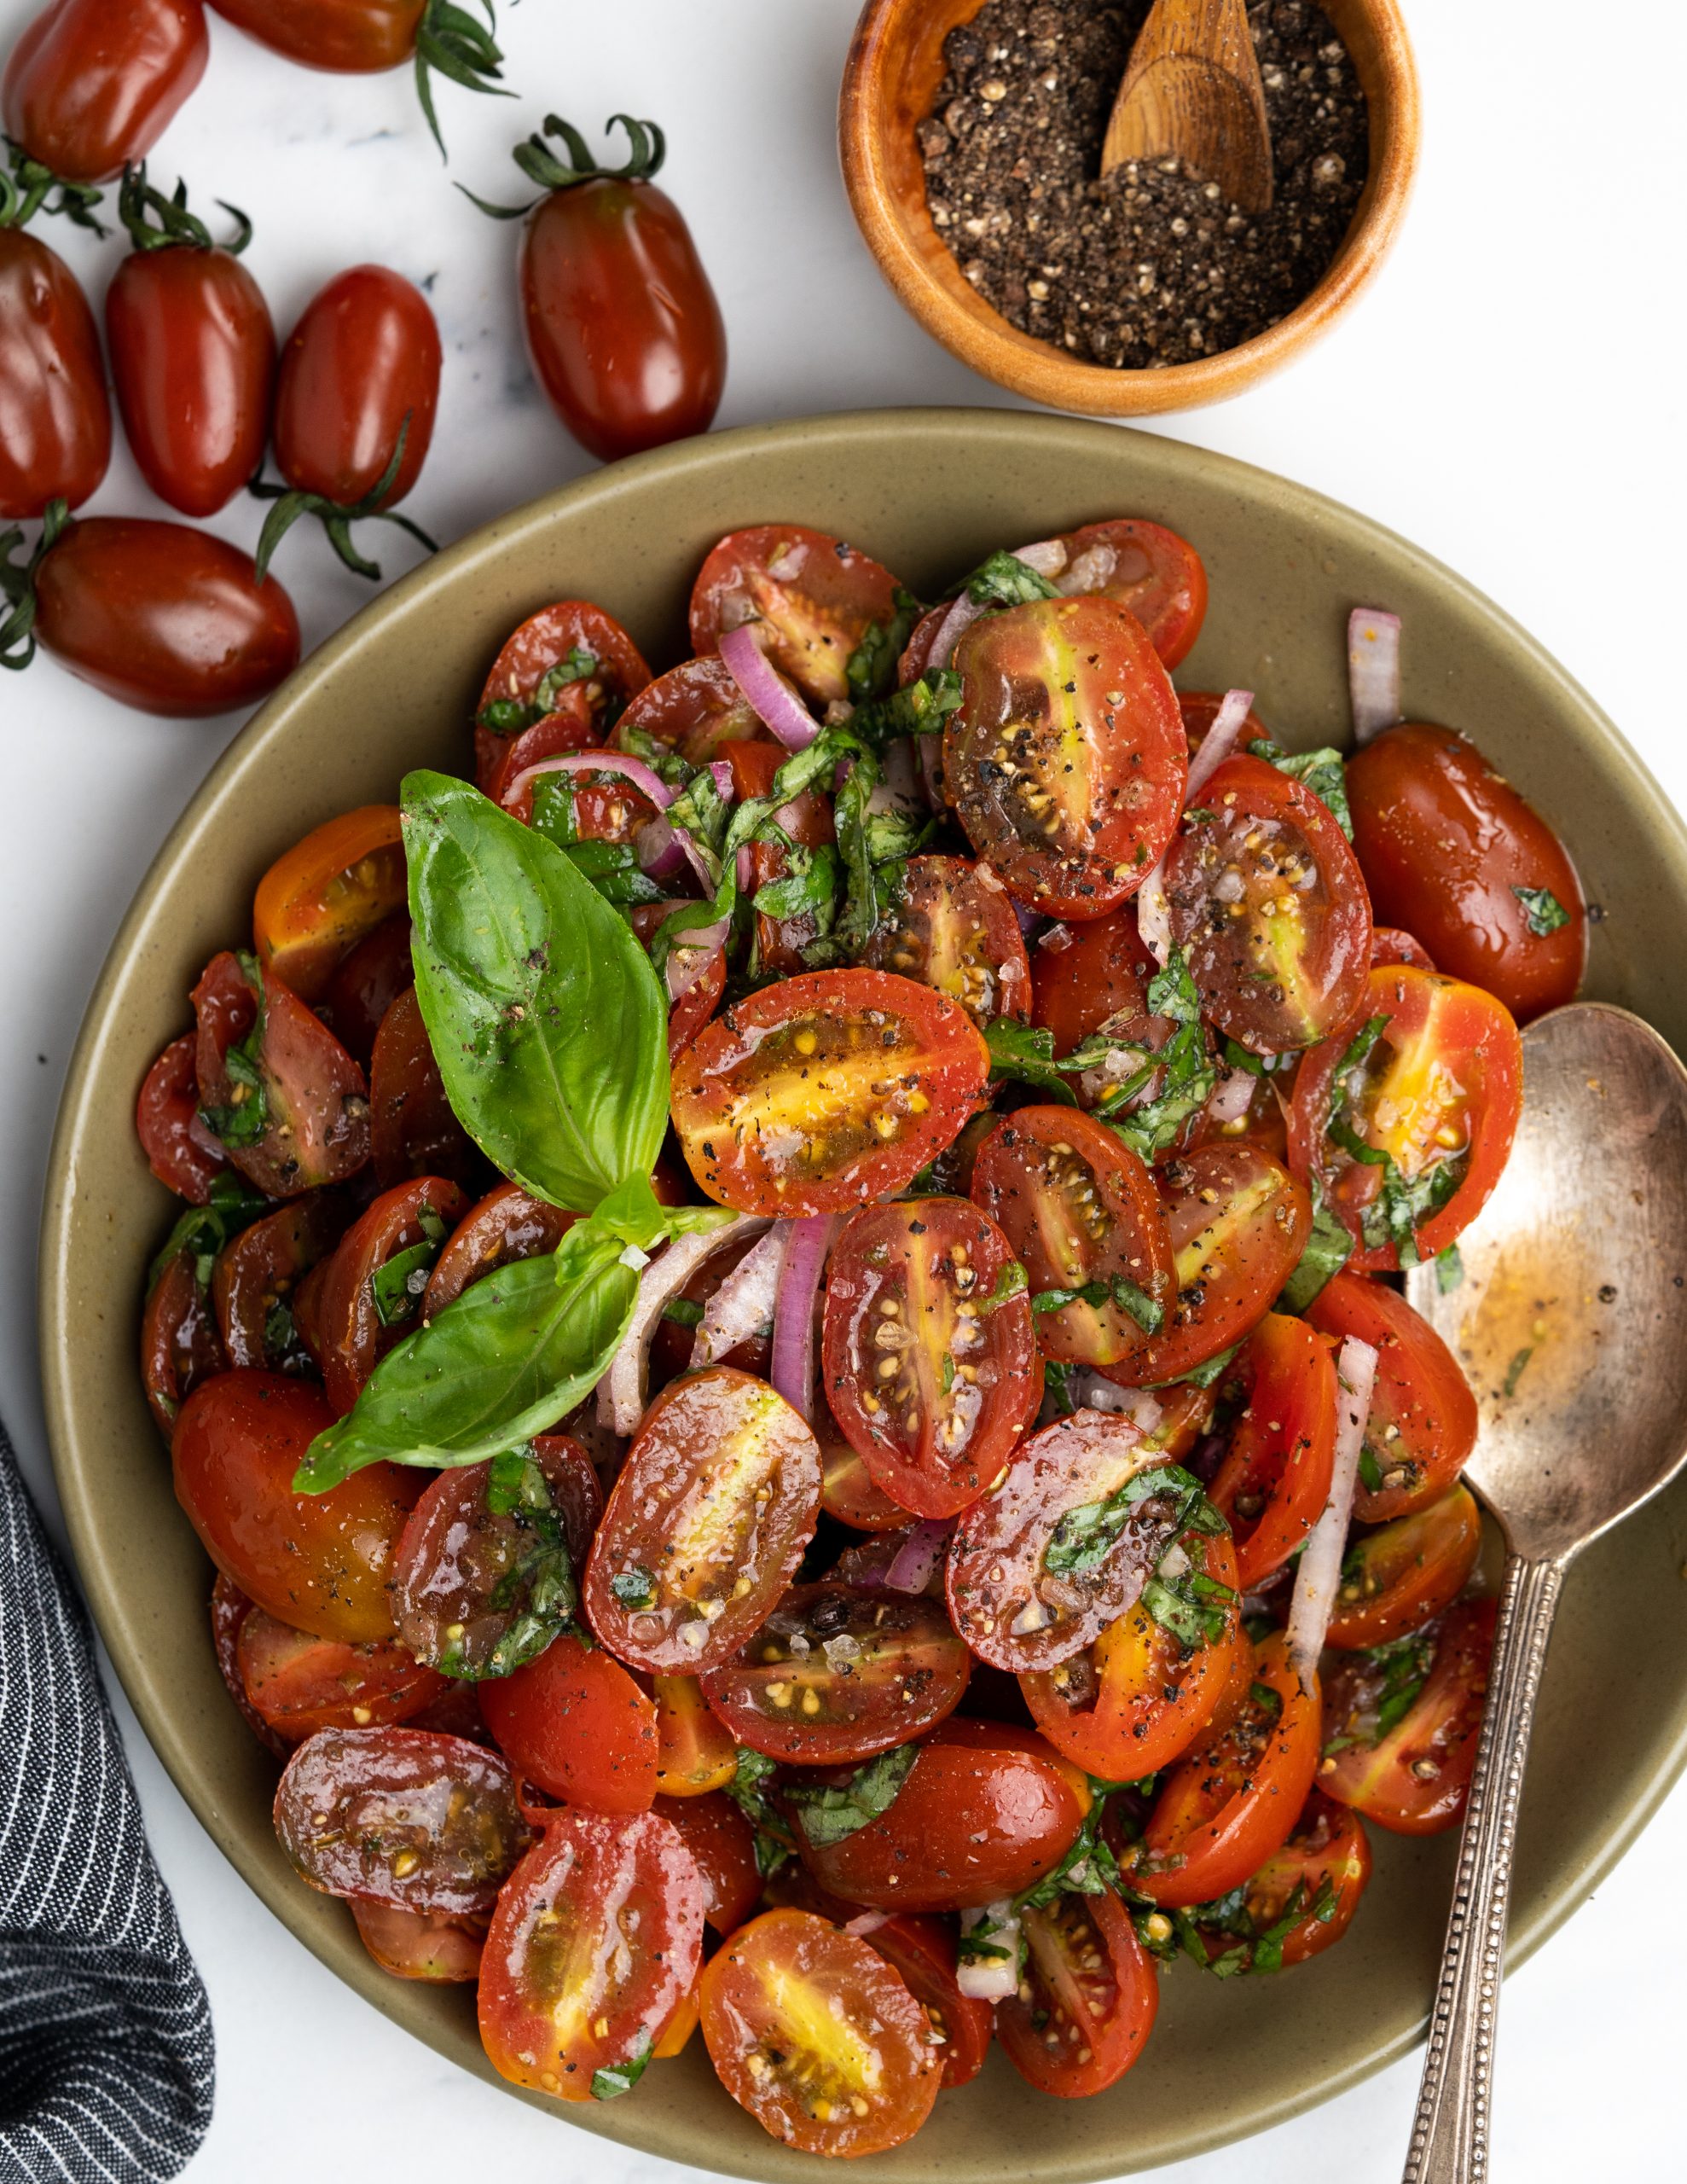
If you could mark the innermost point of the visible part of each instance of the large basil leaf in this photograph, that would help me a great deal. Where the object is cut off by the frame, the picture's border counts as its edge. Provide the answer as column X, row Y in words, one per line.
column 547, row 1023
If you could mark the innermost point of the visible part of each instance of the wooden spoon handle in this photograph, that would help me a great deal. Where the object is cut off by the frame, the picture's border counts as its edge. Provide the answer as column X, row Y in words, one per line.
column 1450, row 2134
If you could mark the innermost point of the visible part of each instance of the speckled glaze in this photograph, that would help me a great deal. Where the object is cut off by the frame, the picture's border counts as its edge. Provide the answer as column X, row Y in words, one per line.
column 929, row 491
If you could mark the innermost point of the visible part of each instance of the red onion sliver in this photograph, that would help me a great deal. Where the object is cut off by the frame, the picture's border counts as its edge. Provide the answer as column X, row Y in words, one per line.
column 765, row 691
column 793, row 1361
column 993, row 1978
column 915, row 1561
column 648, row 782
column 1091, row 1392
column 687, row 960
column 658, row 847
column 745, row 1301
column 869, row 1923
column 621, row 1392
column 1047, row 557
column 1232, row 1096
column 1373, row 671
column 1153, row 913
column 1319, row 1575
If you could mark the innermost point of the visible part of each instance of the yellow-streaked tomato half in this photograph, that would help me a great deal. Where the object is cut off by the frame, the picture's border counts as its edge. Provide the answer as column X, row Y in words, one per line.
column 1087, row 2001
column 950, row 924
column 812, row 598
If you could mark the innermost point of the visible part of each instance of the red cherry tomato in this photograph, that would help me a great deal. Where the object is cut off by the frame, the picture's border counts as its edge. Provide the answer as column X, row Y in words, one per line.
column 696, row 709
column 90, row 87
column 317, row 1561
column 706, row 1524
column 330, row 891
column 812, row 598
column 230, row 1608
column 847, row 1488
column 563, row 1996
column 1099, row 976
column 413, row 1128
column 1452, row 851
column 723, row 1844
column 925, row 1288
column 365, row 39
column 180, row 1346
column 779, row 942
column 923, row 1950
column 1412, row 1776
column 1275, row 1478
column 505, row 1226
column 426, row 1945
column 950, row 924
column 1302, row 1899
column 164, row 618
column 1401, row 1576
column 1142, row 565
column 695, row 1752
column 180, row 1150
column 1079, row 1208
column 1389, row 944
column 570, row 660
column 1427, row 1081
column 813, row 2032
column 825, row 1091
column 360, row 367
column 1422, row 1421
column 360, row 1318
column 1065, row 760
column 576, row 1723
column 258, row 1274
column 297, row 1684
column 1088, row 1999
column 366, row 984
column 54, row 418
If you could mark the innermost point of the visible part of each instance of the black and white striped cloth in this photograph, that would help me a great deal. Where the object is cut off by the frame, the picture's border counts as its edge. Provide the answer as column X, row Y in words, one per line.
column 106, row 2058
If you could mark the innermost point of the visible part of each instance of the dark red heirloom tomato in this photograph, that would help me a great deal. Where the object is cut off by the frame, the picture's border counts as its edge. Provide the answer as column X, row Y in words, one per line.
column 180, row 1150
column 706, row 1524
column 1302, row 1899
column 427, row 1945
column 825, row 1091
column 364, row 1308
column 779, row 942
column 54, row 418
column 847, row 1488
column 505, row 1226
column 624, row 331
column 193, row 353
column 403, row 1816
column 230, row 1608
column 180, row 1346
column 563, row 1996
column 317, row 1561
column 576, row 1724
column 723, row 1844
column 258, row 1274
column 362, row 39
column 1142, row 565
column 1080, row 1211
column 814, row 2033
column 923, row 1950
column 1422, row 1421
column 1275, row 1478
column 1236, row 1796
column 1389, row 944
column 1065, row 760
column 571, row 663
column 91, row 87
column 365, row 985
column 695, row 709
column 1406, row 1117
column 413, row 1128
column 1413, row 1777
column 695, row 1751
column 929, row 1357
column 297, row 1684
column 950, row 924
column 836, row 1674
column 1452, row 851
column 1099, row 976
column 279, row 1093
column 1268, row 903
column 812, row 598
column 1087, row 2000
column 329, row 891
column 1397, row 1577
column 162, row 616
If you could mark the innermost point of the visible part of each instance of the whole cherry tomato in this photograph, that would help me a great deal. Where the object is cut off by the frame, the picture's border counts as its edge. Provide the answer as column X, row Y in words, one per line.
column 623, row 329
column 90, row 86
column 54, row 418
column 193, row 353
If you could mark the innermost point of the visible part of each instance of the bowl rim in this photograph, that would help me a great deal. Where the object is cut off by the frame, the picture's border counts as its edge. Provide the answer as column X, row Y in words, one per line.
column 124, row 1636
column 982, row 339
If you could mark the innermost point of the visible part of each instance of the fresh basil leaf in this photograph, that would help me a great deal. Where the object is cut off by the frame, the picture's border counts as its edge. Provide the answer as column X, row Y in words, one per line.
column 1542, row 910
column 749, row 1790
column 616, row 2078
column 871, row 668
column 1022, row 1054
column 1449, row 1269
column 1004, row 580
column 547, row 1023
column 1329, row 1247
column 245, row 1118
column 1323, row 772
column 634, row 1588
column 396, row 1285
column 203, row 1230
column 827, row 1812
column 1147, row 1311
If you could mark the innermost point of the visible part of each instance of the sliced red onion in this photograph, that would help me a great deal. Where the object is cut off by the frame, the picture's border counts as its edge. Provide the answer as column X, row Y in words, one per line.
column 745, row 1302
column 962, row 614
column 1231, row 1098
column 915, row 1561
column 994, row 1979
column 658, row 847
column 793, row 1363
column 1092, row 1392
column 720, row 771
column 1373, row 671
column 765, row 690
column 1153, row 912
column 643, row 778
column 1047, row 557
column 1319, row 1575
column 621, row 1392
column 869, row 1922
column 687, row 960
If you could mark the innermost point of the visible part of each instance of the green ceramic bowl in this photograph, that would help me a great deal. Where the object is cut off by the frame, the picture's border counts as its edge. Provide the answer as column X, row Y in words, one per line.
column 930, row 492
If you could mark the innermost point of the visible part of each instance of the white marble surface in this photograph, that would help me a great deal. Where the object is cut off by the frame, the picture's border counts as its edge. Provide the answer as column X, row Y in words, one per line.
column 1508, row 396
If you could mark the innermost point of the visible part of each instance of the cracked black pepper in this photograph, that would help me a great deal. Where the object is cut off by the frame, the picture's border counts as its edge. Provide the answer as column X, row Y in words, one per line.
column 1150, row 265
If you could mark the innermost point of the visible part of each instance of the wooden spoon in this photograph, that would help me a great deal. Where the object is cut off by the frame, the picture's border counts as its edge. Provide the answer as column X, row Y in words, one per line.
column 1192, row 92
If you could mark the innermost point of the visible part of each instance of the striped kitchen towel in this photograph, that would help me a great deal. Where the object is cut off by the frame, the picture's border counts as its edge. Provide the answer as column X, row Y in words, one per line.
column 106, row 2058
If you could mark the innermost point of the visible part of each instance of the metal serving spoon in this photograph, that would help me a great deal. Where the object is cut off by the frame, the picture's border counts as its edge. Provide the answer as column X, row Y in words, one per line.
column 1571, row 1324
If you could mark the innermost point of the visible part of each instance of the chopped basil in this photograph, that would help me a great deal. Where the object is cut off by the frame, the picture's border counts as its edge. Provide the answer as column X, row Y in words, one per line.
column 1514, row 1372
column 1021, row 1054
column 683, row 1312
column 1369, row 1470
column 1085, row 1536
column 1542, row 910
column 920, row 708
column 614, row 870
column 1449, row 1269
column 634, row 1588
column 1405, row 1666
column 1321, row 772
column 396, row 1285
column 553, row 814
column 1055, row 1387
column 245, row 1118
column 828, row 1812
column 1329, row 1247
column 1256, row 1950
column 749, row 1791
column 509, row 715
column 1004, row 580
column 871, row 668
column 1402, row 1205
column 616, row 2078
column 808, row 887
column 537, row 1592
column 1188, row 1074
column 1088, row 1868
column 1191, row 1607
column 1011, row 1281
column 203, row 1230
column 1149, row 1314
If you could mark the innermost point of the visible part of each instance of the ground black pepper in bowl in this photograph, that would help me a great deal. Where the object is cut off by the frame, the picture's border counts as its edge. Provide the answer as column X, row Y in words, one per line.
column 1152, row 265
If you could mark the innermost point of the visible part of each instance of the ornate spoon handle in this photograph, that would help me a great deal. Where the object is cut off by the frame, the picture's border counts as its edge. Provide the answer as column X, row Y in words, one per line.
column 1450, row 2132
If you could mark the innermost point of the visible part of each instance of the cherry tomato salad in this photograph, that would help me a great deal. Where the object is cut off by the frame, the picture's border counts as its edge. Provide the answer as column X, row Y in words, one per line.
column 786, row 1335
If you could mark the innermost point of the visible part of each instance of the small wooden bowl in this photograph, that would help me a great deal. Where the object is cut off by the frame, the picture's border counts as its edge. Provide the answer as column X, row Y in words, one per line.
column 896, row 64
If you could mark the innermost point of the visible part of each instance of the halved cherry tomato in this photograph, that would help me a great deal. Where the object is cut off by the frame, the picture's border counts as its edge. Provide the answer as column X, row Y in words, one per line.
column 280, row 1094
column 1200, row 708
column 1065, row 759
column 89, row 88
column 256, row 1276
column 360, row 367
column 779, row 942
column 1239, row 1223
column 825, row 1091
column 359, row 1323
column 835, row 1675
column 1235, row 1799
column 930, row 1360
column 574, row 1721
column 1450, row 849
column 813, row 597
column 180, row 1346
column 180, row 1150
column 1146, row 568
column 812, row 2031
column 848, row 1490
column 563, row 1996
column 1422, row 1422
column 1401, row 1724
column 1397, row 1579
column 54, row 418
column 696, row 709
column 950, row 924
column 1081, row 1211
column 483, row 1574
column 1088, row 1998
column 695, row 1752
column 413, row 1130
column 230, row 1608
column 403, row 1816
column 507, row 1225
column 696, row 1004
column 984, row 1811
column 571, row 655
column 1302, row 1899
column 1426, row 1081
column 723, row 1844
column 427, row 1945
column 365, row 987
column 1097, row 980
column 297, row 1684
column 328, row 892
column 1389, row 944
column 706, row 1524
column 1275, row 1478
column 317, row 1561
column 1268, row 903
column 923, row 1950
